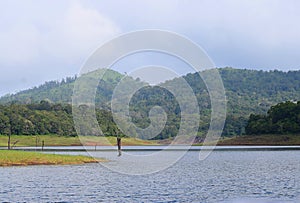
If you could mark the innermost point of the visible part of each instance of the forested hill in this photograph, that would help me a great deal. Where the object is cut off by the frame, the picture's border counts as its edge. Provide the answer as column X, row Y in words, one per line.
column 61, row 91
column 249, row 88
column 247, row 91
column 256, row 91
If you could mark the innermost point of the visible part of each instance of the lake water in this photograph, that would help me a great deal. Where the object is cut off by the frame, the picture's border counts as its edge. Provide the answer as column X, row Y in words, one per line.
column 225, row 176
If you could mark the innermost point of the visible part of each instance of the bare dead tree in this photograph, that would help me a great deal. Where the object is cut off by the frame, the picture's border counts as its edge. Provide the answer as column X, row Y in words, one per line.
column 8, row 142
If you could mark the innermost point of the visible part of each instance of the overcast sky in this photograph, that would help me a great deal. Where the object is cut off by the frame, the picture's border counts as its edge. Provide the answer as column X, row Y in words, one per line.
column 48, row 40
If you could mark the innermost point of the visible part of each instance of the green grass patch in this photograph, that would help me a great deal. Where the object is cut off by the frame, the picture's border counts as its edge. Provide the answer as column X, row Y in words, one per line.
column 49, row 140
column 56, row 140
column 21, row 158
column 126, row 141
column 262, row 140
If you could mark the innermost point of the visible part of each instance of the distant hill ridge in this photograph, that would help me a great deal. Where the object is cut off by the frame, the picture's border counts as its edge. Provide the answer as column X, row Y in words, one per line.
column 247, row 91
column 61, row 91
column 253, row 90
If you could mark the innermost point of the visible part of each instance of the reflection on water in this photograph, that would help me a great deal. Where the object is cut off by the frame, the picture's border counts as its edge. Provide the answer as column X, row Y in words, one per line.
column 226, row 176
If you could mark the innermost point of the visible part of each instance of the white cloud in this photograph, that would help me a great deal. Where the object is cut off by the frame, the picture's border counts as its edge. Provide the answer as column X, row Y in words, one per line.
column 19, row 45
column 78, row 32
column 47, row 40
column 268, row 23
column 65, row 35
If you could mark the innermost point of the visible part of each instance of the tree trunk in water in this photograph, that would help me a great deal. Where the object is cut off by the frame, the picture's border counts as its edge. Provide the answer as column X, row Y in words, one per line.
column 119, row 146
column 8, row 142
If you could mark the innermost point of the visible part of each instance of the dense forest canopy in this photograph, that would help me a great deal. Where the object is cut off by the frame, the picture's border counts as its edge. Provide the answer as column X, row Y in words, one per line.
column 46, row 118
column 283, row 118
column 247, row 91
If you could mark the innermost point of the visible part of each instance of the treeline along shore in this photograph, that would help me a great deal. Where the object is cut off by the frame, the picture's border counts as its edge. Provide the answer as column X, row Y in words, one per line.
column 53, row 124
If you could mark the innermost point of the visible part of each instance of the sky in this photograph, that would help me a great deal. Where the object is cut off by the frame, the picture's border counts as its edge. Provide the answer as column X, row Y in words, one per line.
column 51, row 39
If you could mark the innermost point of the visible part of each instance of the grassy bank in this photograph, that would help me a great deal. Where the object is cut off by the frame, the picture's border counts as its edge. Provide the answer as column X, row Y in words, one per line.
column 21, row 158
column 55, row 140
column 50, row 140
column 262, row 140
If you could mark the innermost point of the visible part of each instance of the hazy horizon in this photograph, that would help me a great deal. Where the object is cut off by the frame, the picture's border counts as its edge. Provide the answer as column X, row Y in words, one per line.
column 44, row 41
column 135, row 76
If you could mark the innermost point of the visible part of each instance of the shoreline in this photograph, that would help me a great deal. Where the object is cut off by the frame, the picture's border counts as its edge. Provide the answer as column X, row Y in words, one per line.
column 160, row 148
column 92, row 141
column 25, row 158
